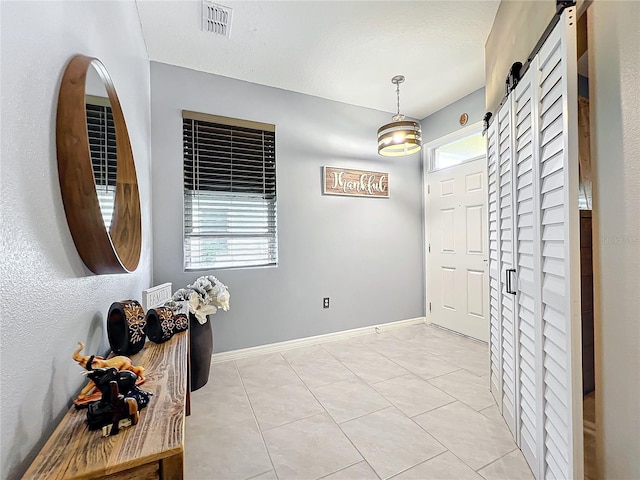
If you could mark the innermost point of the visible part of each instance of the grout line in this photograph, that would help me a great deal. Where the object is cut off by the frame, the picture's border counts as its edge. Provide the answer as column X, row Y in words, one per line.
column 497, row 459
column 367, row 349
column 334, row 422
column 418, row 464
column 255, row 419
column 368, row 413
column 349, row 466
column 260, row 474
column 441, row 443
column 434, row 408
column 290, row 422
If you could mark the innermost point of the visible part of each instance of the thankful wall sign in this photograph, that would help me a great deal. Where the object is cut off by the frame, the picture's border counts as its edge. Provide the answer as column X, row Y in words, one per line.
column 358, row 183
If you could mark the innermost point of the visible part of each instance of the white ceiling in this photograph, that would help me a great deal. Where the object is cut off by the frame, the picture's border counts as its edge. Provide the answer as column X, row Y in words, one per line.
column 340, row 50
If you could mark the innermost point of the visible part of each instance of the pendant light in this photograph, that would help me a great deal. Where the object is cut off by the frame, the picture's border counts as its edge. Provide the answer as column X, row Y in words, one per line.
column 400, row 137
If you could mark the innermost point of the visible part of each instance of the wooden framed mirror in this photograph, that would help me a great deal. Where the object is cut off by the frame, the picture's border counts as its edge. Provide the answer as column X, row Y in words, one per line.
column 108, row 240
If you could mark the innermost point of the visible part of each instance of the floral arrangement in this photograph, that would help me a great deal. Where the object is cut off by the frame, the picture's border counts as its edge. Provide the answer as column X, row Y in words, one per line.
column 204, row 297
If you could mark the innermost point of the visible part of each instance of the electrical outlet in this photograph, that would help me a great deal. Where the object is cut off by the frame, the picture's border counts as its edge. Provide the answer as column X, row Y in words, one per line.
column 325, row 302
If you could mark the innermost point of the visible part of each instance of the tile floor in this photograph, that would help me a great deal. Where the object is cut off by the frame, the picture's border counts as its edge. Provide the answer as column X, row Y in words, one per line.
column 408, row 403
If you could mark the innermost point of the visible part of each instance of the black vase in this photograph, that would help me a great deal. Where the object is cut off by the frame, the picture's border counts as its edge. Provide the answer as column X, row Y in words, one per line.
column 126, row 327
column 200, row 351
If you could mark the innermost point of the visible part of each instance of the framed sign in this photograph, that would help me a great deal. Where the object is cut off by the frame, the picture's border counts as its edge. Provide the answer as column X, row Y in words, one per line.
column 358, row 183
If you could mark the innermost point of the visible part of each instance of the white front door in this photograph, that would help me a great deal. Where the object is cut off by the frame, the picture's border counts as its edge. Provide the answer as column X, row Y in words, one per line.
column 456, row 224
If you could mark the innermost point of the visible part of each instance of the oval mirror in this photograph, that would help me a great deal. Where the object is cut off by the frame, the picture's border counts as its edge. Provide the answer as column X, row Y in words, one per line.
column 96, row 169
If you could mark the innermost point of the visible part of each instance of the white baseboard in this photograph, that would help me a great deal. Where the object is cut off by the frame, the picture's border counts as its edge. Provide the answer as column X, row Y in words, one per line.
column 308, row 341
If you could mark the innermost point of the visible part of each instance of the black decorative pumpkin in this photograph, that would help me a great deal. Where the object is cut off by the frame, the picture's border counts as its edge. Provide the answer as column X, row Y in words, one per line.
column 162, row 324
column 126, row 327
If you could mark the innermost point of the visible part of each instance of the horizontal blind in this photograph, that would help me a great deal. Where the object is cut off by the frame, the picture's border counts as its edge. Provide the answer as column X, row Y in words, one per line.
column 102, row 145
column 229, row 194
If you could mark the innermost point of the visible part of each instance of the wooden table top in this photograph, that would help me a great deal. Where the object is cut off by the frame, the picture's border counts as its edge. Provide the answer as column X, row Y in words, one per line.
column 74, row 452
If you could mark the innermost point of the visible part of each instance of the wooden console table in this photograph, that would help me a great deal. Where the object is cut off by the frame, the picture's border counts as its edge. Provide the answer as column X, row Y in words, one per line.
column 152, row 449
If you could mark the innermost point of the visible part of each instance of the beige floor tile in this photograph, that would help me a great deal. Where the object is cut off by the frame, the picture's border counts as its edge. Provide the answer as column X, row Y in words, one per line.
column 359, row 471
column 467, row 343
column 231, row 452
column 374, row 367
column 435, row 345
column 220, row 406
column 309, row 448
column 355, row 381
column 264, row 476
column 319, row 374
column 476, row 362
column 304, row 355
column 280, row 405
column 267, row 371
column 390, row 442
column 349, row 399
column 222, row 375
column 388, row 345
column 425, row 365
column 466, row 387
column 469, row 435
column 510, row 467
column 267, row 359
column 443, row 467
column 439, row 331
column 492, row 413
column 413, row 332
column 317, row 367
column 412, row 394
column 348, row 349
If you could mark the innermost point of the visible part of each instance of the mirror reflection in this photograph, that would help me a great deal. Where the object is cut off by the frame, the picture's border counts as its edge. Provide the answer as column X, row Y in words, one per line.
column 102, row 142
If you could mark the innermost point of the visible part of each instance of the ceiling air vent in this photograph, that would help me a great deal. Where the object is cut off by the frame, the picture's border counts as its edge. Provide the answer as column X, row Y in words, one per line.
column 216, row 18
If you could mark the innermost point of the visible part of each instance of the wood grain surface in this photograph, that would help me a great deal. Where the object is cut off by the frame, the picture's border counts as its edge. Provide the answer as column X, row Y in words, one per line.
column 358, row 183
column 102, row 251
column 74, row 452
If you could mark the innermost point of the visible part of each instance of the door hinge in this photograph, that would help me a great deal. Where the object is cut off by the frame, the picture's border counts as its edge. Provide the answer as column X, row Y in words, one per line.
column 429, row 307
column 428, row 189
column 429, row 248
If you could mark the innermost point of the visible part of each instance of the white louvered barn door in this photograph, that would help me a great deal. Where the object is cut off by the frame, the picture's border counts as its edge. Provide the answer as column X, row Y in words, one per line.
column 495, row 296
column 535, row 364
column 527, row 241
column 504, row 264
column 555, row 76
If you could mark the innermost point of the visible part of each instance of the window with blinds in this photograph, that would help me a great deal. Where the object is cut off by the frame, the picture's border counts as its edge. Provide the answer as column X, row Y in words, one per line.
column 229, row 193
column 102, row 145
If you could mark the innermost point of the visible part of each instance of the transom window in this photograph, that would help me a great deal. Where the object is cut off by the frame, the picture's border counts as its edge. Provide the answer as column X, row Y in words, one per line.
column 459, row 151
column 229, row 193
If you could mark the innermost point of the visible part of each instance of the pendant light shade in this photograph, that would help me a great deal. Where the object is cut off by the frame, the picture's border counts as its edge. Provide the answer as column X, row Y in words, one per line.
column 400, row 137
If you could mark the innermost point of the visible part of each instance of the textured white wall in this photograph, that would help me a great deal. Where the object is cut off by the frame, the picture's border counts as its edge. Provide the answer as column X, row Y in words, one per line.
column 363, row 253
column 614, row 64
column 48, row 299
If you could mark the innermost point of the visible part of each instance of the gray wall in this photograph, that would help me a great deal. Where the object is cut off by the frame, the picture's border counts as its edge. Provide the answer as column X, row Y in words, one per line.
column 49, row 300
column 447, row 119
column 363, row 253
column 614, row 65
